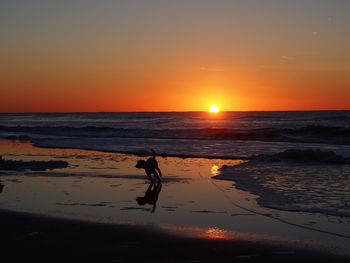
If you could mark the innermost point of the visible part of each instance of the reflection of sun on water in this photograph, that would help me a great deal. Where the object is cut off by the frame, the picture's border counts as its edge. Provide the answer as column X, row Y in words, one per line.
column 214, row 170
column 216, row 233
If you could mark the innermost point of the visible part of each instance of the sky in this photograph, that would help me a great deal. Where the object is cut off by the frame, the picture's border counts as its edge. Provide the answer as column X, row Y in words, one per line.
column 183, row 55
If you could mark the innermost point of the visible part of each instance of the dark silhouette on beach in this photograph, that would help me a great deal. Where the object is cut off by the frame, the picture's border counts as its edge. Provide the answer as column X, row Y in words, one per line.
column 151, row 195
column 15, row 165
column 150, row 166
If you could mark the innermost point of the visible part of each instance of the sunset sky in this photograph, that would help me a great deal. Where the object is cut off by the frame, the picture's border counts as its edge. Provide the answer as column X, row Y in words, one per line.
column 183, row 55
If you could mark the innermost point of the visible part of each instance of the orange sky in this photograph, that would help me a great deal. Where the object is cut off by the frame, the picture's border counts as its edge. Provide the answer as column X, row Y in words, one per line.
column 181, row 56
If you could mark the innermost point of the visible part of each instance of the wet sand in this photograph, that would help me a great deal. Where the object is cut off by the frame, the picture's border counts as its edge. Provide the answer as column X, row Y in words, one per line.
column 33, row 238
column 89, row 212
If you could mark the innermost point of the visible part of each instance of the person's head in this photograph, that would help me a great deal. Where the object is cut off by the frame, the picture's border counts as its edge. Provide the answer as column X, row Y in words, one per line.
column 140, row 164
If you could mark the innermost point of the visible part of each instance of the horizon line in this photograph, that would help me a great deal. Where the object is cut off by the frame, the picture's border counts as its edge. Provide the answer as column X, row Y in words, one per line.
column 193, row 111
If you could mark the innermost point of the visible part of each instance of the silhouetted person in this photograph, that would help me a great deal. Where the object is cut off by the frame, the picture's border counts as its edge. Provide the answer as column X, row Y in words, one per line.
column 1, row 187
column 151, row 195
column 150, row 166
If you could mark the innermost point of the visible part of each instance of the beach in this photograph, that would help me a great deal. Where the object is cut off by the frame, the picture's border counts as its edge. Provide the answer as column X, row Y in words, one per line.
column 175, row 131
column 89, row 210
column 33, row 238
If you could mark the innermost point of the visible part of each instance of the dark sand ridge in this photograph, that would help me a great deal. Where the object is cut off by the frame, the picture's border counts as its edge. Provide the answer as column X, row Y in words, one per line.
column 14, row 165
column 34, row 238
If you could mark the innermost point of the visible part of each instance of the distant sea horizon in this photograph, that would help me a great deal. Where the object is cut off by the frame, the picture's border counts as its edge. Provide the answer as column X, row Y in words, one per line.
column 194, row 111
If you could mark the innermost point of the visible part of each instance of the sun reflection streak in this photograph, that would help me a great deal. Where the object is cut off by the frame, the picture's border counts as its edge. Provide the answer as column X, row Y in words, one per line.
column 214, row 170
column 216, row 233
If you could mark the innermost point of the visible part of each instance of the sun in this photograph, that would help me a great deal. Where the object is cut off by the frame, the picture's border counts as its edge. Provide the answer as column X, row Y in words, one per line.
column 214, row 108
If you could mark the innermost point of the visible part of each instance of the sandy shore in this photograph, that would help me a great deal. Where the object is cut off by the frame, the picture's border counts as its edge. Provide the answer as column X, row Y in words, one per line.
column 89, row 211
column 33, row 238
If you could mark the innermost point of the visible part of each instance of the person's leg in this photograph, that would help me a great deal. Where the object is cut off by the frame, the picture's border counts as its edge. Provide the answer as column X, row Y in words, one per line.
column 157, row 175
column 150, row 177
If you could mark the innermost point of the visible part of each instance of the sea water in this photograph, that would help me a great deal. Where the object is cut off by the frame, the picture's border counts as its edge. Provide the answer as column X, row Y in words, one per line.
column 315, row 188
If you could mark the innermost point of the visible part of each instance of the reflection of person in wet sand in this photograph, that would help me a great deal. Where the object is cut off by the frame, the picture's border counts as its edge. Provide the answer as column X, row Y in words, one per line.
column 151, row 195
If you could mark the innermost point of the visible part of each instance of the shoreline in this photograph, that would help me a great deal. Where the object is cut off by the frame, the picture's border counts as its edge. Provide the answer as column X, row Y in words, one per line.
column 34, row 237
column 135, row 153
column 181, row 156
column 197, row 219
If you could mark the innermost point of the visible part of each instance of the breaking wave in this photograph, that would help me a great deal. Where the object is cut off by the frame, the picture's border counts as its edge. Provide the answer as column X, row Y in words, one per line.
column 291, row 181
column 307, row 134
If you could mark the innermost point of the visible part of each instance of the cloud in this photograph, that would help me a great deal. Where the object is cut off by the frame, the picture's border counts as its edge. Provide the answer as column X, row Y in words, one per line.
column 287, row 58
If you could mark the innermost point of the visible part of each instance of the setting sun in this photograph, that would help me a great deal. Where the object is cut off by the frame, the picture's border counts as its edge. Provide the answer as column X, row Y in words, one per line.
column 214, row 108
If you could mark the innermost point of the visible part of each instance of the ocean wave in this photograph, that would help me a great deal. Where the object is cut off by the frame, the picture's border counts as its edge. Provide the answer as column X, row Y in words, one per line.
column 313, row 156
column 172, row 147
column 295, row 183
column 307, row 134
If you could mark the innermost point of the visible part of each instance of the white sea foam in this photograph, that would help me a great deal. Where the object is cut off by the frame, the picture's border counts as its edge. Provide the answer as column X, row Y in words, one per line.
column 294, row 186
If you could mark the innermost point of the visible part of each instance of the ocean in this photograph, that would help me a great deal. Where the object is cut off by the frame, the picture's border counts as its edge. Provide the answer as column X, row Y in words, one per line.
column 316, row 187
column 194, row 134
